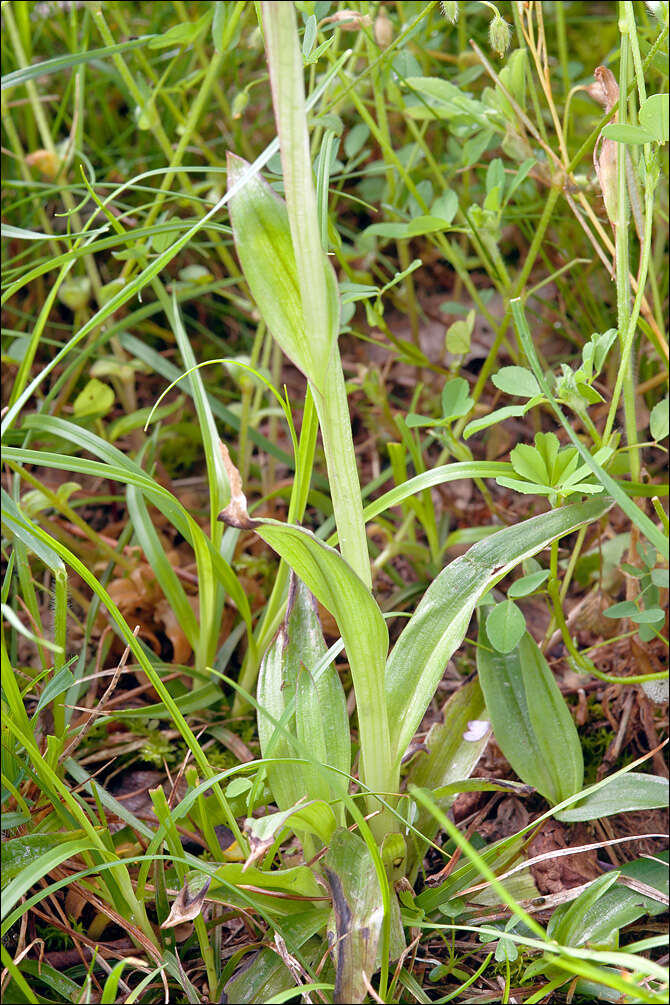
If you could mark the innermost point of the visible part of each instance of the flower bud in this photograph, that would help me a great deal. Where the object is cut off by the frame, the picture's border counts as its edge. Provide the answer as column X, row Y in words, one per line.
column 383, row 29
column 500, row 35
column 348, row 20
column 240, row 102
column 450, row 10
column 75, row 293
column 47, row 162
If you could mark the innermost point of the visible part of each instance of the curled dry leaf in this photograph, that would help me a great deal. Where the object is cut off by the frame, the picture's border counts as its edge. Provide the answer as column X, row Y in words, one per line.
column 190, row 899
column 606, row 92
column 235, row 514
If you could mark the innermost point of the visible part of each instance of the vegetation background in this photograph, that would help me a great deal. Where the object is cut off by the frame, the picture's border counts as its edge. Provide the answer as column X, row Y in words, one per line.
column 496, row 218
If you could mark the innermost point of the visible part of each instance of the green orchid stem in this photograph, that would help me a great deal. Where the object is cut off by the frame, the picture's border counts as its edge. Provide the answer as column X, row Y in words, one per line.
column 324, row 374
column 333, row 410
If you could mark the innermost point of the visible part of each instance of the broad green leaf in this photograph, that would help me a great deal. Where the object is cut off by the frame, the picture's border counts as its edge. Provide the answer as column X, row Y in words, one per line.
column 298, row 882
column 445, row 206
column 359, row 619
column 598, row 914
column 599, row 922
column 444, row 100
column 499, row 415
column 650, row 616
column 498, row 856
column 625, row 793
column 323, row 727
column 627, row 133
column 530, row 463
column 528, row 584
column 455, row 398
column 296, row 644
column 438, row 626
column 184, row 33
column 268, row 975
column 319, row 720
column 59, row 984
column 359, row 912
column 21, row 853
column 265, row 249
column 505, row 626
column 450, row 757
column 659, row 419
column 96, row 399
column 35, row 869
column 621, row 610
column 315, row 817
column 654, row 114
column 565, row 923
column 403, row 230
column 459, row 334
column 425, row 225
column 531, row 722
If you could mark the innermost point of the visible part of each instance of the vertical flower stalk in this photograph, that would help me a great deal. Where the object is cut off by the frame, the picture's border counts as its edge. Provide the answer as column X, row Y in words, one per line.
column 323, row 369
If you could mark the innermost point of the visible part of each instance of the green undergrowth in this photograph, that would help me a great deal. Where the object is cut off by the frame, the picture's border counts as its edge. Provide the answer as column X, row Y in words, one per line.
column 334, row 502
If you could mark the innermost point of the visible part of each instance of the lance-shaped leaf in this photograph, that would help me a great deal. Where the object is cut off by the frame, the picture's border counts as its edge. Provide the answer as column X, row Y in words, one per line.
column 315, row 276
column 439, row 624
column 265, row 250
column 361, row 624
column 532, row 724
column 296, row 649
column 359, row 619
column 623, row 794
column 451, row 755
column 322, row 725
column 358, row 910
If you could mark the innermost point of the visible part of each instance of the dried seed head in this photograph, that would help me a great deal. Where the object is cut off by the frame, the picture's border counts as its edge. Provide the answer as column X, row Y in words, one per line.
column 235, row 513
column 450, row 10
column 500, row 34
column 605, row 90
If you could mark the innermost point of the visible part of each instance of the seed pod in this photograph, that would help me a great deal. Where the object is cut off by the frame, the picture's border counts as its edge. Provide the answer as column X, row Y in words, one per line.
column 383, row 29
column 500, row 35
column 606, row 92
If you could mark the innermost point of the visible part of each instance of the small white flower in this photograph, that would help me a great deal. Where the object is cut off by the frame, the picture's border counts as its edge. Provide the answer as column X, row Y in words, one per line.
column 477, row 729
